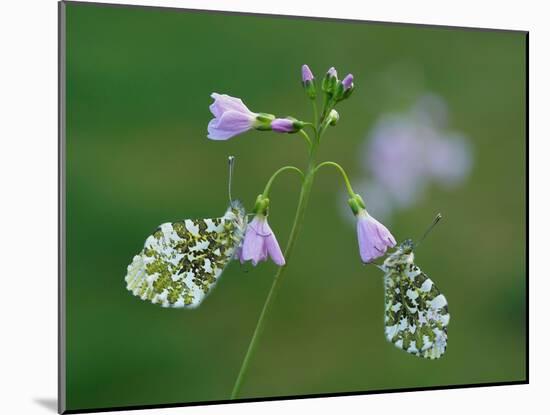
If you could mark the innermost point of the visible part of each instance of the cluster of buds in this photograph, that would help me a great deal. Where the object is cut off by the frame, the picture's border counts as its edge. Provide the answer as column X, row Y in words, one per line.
column 335, row 89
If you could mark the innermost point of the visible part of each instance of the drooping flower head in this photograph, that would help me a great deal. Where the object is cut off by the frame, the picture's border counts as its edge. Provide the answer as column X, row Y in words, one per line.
column 374, row 238
column 259, row 241
column 232, row 117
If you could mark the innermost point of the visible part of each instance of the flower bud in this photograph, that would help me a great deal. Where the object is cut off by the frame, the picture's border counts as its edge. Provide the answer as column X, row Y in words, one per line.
column 286, row 125
column 344, row 88
column 308, row 81
column 347, row 82
column 307, row 75
column 329, row 81
column 348, row 85
column 333, row 117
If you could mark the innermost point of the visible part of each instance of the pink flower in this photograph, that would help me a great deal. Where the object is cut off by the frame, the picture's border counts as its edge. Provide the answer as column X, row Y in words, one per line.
column 259, row 242
column 374, row 238
column 232, row 117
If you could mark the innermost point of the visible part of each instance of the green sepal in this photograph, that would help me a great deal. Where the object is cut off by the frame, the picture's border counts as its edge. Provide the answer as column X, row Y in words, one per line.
column 296, row 124
column 311, row 90
column 348, row 92
column 339, row 94
column 263, row 121
column 261, row 206
column 329, row 84
column 356, row 204
column 342, row 94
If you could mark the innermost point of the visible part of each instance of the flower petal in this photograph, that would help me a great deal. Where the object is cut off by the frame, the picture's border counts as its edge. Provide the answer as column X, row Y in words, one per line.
column 230, row 124
column 260, row 242
column 367, row 249
column 224, row 102
column 216, row 134
column 254, row 248
column 386, row 236
column 273, row 248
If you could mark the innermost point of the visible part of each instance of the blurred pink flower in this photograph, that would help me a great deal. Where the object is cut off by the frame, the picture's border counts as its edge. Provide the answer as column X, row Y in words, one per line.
column 407, row 152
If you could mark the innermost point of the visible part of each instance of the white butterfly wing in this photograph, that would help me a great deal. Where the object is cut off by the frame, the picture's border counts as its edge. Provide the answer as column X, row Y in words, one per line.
column 182, row 261
column 416, row 313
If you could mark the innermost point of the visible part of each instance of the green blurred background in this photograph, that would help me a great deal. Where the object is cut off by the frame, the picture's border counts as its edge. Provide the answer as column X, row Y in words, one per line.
column 138, row 89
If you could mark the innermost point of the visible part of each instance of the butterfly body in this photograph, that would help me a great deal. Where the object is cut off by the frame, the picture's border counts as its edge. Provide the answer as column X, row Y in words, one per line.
column 416, row 313
column 181, row 261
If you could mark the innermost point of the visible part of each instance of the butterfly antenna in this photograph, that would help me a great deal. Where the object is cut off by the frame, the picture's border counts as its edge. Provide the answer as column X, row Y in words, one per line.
column 435, row 222
column 231, row 160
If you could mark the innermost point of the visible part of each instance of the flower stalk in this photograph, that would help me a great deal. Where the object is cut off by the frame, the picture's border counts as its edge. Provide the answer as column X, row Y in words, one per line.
column 275, row 286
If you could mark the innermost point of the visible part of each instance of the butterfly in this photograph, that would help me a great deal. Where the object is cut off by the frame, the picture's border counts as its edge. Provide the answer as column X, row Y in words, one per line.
column 416, row 313
column 181, row 262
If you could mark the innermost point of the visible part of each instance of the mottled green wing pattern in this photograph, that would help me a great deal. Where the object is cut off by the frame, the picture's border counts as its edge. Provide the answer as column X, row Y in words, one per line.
column 182, row 261
column 416, row 313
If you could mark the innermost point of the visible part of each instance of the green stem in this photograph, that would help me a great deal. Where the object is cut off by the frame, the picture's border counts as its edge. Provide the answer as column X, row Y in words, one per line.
column 274, row 175
column 315, row 114
column 328, row 104
column 342, row 171
column 304, row 134
column 298, row 219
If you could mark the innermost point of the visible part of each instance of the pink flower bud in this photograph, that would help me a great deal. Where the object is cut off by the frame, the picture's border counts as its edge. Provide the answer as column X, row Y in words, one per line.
column 307, row 75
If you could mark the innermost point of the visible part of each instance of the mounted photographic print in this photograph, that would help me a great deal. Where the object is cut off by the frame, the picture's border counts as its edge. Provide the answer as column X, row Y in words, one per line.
column 258, row 207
